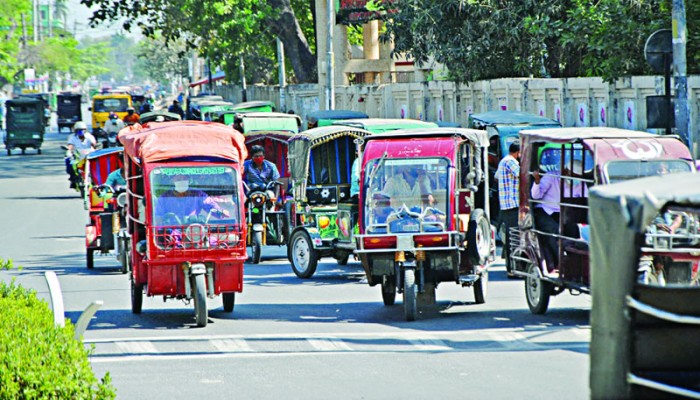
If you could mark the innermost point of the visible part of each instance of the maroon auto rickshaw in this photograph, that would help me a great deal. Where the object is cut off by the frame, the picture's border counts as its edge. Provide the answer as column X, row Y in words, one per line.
column 574, row 160
column 436, row 229
column 185, row 212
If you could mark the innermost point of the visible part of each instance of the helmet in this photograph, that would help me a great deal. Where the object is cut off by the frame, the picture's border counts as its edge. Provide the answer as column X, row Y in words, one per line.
column 130, row 109
column 79, row 125
column 113, row 115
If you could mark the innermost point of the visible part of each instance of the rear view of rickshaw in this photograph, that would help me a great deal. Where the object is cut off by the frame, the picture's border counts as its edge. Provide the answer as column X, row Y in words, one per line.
column 186, row 219
column 550, row 249
column 323, row 213
column 424, row 214
column 104, row 231
column 269, row 216
column 644, row 337
column 25, row 124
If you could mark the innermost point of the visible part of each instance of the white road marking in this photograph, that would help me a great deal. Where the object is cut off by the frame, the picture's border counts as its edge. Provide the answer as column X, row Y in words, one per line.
column 137, row 347
column 429, row 345
column 231, row 345
column 329, row 345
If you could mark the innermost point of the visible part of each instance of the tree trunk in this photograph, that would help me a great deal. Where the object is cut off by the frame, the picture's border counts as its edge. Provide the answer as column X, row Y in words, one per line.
column 296, row 47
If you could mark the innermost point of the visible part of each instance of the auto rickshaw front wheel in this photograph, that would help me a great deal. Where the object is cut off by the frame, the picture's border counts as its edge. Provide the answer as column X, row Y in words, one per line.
column 537, row 291
column 302, row 255
column 229, row 301
column 136, row 297
column 410, row 306
column 481, row 287
column 200, row 300
column 90, row 258
column 257, row 246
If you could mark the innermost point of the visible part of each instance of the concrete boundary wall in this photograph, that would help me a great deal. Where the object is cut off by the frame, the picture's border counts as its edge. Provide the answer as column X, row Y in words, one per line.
column 573, row 101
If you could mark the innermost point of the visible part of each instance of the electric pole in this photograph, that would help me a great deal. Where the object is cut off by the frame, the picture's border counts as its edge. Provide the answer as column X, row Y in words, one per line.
column 683, row 123
column 330, row 91
column 282, row 77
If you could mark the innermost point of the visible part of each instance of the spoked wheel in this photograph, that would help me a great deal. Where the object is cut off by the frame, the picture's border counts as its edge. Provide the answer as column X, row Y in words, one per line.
column 229, row 301
column 257, row 247
column 200, row 300
column 389, row 291
column 302, row 255
column 537, row 291
column 410, row 306
column 90, row 258
column 481, row 287
column 136, row 297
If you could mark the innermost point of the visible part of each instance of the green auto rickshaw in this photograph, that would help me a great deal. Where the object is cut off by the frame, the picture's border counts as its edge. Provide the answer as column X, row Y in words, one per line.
column 25, row 124
column 319, row 118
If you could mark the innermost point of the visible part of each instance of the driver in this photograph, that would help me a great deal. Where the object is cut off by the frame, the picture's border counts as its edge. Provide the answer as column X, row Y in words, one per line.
column 184, row 202
column 79, row 145
column 113, row 124
column 409, row 186
column 258, row 172
column 131, row 117
column 116, row 179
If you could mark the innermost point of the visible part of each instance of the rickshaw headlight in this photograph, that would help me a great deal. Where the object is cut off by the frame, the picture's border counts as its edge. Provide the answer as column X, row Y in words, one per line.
column 121, row 200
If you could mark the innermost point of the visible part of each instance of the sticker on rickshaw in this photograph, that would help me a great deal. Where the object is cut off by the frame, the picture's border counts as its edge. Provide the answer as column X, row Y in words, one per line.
column 193, row 171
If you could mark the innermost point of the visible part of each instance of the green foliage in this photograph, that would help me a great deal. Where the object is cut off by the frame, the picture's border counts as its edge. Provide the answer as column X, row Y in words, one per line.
column 11, row 36
column 161, row 61
column 37, row 359
column 486, row 39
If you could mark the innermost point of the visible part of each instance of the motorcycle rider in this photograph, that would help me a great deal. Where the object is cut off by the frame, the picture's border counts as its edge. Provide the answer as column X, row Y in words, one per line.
column 79, row 145
column 131, row 116
column 113, row 125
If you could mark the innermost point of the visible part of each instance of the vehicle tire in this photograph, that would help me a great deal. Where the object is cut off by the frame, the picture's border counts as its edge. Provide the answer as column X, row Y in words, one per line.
column 302, row 255
column 478, row 238
column 410, row 304
column 136, row 298
column 344, row 260
column 90, row 258
column 9, row 152
column 257, row 247
column 537, row 291
column 481, row 287
column 229, row 301
column 288, row 221
column 24, row 151
column 38, row 151
column 123, row 257
column 200, row 300
column 389, row 291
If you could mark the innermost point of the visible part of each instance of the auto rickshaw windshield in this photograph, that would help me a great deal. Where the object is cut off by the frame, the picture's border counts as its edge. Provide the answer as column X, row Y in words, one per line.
column 184, row 195
column 412, row 193
column 106, row 105
column 622, row 170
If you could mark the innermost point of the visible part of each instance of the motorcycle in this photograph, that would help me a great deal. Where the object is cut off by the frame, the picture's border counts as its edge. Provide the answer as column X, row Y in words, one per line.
column 264, row 218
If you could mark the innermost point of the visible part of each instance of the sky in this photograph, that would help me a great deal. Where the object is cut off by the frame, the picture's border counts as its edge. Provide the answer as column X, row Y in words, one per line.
column 80, row 14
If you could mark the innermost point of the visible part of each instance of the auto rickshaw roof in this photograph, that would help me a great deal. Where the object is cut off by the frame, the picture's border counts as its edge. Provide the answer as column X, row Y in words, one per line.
column 252, row 104
column 178, row 139
column 378, row 125
column 571, row 135
column 24, row 101
column 103, row 152
column 267, row 121
column 506, row 117
column 476, row 136
column 315, row 116
column 153, row 115
column 111, row 96
column 300, row 145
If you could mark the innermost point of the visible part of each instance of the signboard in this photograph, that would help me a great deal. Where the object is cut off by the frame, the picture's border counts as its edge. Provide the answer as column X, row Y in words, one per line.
column 349, row 12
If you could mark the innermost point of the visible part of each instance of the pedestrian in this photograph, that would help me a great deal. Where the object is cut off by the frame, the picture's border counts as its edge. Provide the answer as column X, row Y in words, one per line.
column 547, row 189
column 508, row 175
column 176, row 109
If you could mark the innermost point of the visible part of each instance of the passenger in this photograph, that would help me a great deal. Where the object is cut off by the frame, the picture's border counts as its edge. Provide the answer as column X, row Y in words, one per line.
column 183, row 202
column 508, row 175
column 355, row 180
column 176, row 109
column 258, row 172
column 116, row 179
column 409, row 186
column 547, row 189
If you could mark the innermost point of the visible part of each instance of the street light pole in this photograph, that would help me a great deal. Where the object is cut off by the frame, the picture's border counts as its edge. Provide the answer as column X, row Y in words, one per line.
column 330, row 90
column 683, row 123
column 282, row 75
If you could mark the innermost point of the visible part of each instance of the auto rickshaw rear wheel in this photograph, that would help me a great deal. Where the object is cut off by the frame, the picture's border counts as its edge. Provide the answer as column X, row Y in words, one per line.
column 136, row 297
column 410, row 306
column 229, row 301
column 38, row 151
column 478, row 237
column 90, row 258
column 123, row 257
column 481, row 288
column 9, row 152
column 389, row 291
column 200, row 300
column 537, row 291
column 302, row 255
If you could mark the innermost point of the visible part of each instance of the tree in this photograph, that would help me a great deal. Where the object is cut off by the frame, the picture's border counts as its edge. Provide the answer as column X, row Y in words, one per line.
column 484, row 39
column 11, row 36
column 159, row 62
column 222, row 30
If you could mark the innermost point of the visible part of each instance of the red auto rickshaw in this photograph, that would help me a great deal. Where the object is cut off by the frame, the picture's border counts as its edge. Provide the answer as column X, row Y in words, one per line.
column 185, row 212
column 437, row 230
column 104, row 222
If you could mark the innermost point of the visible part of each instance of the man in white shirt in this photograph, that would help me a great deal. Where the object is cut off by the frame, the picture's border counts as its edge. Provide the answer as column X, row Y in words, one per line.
column 113, row 124
column 80, row 144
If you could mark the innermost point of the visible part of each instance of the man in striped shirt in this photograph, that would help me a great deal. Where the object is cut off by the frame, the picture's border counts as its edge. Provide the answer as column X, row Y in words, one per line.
column 508, row 175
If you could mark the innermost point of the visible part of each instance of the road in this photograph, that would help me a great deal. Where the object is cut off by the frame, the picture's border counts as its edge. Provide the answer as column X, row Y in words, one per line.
column 326, row 337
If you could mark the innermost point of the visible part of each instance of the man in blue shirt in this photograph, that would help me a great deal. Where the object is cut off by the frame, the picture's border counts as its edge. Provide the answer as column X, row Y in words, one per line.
column 116, row 179
column 508, row 175
column 258, row 172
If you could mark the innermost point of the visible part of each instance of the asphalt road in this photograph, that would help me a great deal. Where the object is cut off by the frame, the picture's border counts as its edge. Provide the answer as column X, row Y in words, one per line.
column 326, row 337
